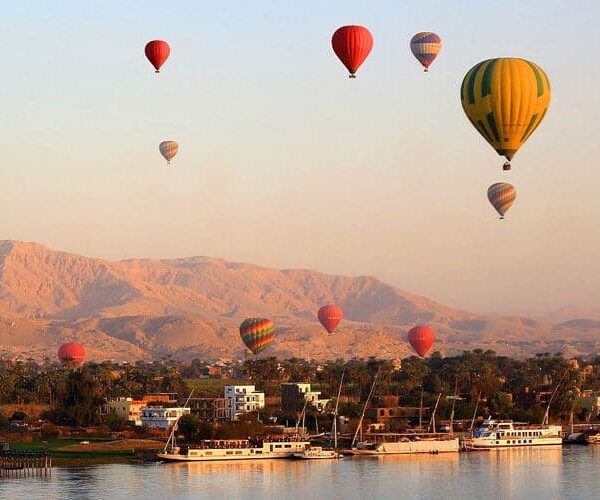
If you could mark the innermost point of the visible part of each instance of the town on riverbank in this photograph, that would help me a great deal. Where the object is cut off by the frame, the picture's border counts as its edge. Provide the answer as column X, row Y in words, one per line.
column 106, row 411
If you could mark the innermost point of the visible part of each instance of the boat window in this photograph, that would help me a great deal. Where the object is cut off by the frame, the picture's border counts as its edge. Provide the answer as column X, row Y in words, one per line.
column 288, row 446
column 208, row 452
column 229, row 452
column 238, row 452
column 258, row 452
column 277, row 446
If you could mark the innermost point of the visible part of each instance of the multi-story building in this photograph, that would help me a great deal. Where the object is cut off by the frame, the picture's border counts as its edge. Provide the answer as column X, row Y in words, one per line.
column 162, row 418
column 243, row 399
column 590, row 401
column 295, row 394
column 211, row 409
column 126, row 408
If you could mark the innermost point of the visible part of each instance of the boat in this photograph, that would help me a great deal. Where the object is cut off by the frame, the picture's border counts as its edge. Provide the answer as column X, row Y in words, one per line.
column 234, row 449
column 592, row 439
column 316, row 453
column 496, row 434
column 406, row 443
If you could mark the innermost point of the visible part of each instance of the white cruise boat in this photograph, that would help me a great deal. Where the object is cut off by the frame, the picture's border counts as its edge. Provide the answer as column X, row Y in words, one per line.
column 402, row 444
column 495, row 434
column 238, row 449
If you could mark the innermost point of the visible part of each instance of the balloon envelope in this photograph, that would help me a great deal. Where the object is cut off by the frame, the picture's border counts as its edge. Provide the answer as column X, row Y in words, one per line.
column 502, row 195
column 168, row 149
column 257, row 333
column 71, row 353
column 421, row 338
column 426, row 46
column 352, row 44
column 157, row 52
column 505, row 99
column 330, row 316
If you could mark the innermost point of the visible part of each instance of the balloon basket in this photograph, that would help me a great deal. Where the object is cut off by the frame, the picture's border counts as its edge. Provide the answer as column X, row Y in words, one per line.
column 351, row 76
column 157, row 71
column 425, row 70
column 506, row 166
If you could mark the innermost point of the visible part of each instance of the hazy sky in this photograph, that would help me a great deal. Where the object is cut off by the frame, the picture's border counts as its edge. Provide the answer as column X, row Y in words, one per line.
column 286, row 162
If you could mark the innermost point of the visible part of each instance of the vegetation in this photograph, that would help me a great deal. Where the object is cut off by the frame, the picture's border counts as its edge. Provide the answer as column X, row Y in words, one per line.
column 503, row 386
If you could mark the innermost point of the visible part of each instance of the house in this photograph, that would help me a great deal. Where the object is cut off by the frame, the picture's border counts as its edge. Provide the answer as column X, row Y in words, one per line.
column 590, row 401
column 162, row 418
column 211, row 409
column 243, row 399
column 295, row 394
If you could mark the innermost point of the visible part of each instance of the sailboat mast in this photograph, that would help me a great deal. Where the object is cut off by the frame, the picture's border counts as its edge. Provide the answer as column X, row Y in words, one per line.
column 362, row 416
column 172, row 435
column 335, row 413
column 432, row 421
column 453, row 405
column 475, row 413
column 421, row 410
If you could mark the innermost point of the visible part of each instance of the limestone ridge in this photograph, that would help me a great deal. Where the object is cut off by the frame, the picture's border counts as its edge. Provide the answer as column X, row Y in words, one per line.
column 191, row 307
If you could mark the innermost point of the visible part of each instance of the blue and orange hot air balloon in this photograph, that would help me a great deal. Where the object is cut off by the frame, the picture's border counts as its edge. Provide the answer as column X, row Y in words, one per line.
column 257, row 333
column 426, row 46
column 330, row 316
column 157, row 52
column 352, row 44
column 502, row 195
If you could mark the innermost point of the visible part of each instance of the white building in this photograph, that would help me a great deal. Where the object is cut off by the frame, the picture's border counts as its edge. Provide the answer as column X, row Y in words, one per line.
column 243, row 398
column 160, row 417
column 293, row 394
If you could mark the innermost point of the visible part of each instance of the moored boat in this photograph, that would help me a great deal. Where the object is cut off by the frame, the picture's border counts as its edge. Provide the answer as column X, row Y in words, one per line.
column 398, row 444
column 316, row 453
column 496, row 434
column 238, row 449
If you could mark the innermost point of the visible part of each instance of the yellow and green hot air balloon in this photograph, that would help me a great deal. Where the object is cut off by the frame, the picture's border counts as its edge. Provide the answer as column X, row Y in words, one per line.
column 502, row 195
column 505, row 99
column 257, row 333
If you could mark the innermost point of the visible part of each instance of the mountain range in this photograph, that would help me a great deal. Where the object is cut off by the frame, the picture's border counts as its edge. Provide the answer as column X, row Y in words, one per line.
column 191, row 308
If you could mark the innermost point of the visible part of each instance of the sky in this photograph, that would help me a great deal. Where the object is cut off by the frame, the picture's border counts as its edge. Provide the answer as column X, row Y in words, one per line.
column 285, row 162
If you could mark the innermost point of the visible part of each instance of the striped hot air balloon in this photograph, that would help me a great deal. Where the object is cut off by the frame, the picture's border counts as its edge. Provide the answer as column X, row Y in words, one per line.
column 352, row 44
column 257, row 333
column 168, row 149
column 501, row 196
column 426, row 46
column 505, row 99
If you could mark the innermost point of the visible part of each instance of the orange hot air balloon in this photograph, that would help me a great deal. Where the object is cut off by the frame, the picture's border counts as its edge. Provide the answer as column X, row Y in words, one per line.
column 71, row 354
column 330, row 316
column 157, row 52
column 421, row 338
column 352, row 44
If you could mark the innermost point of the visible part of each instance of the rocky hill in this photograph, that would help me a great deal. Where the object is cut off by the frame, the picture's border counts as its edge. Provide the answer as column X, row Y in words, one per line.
column 191, row 307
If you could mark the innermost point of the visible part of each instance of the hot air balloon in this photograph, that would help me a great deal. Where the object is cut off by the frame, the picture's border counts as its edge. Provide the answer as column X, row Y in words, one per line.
column 505, row 99
column 421, row 338
column 330, row 316
column 426, row 46
column 352, row 45
column 71, row 354
column 257, row 333
column 501, row 196
column 168, row 149
column 157, row 52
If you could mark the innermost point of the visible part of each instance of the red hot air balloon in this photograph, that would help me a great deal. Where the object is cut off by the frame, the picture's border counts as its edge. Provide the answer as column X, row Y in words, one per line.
column 71, row 354
column 330, row 316
column 421, row 338
column 157, row 52
column 352, row 44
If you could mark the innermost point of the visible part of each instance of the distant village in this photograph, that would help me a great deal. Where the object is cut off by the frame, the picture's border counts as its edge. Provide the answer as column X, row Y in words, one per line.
column 226, row 398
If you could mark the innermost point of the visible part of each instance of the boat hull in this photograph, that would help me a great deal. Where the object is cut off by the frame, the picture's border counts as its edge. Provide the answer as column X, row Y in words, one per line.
column 168, row 457
column 432, row 447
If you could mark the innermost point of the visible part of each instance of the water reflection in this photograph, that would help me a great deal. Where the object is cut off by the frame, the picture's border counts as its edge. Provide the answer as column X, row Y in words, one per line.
column 540, row 473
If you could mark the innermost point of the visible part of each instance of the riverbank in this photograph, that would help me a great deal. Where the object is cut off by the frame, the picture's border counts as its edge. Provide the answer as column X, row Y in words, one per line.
column 71, row 452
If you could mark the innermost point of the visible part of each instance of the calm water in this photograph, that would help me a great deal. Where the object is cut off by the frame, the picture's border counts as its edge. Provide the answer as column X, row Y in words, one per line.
column 573, row 472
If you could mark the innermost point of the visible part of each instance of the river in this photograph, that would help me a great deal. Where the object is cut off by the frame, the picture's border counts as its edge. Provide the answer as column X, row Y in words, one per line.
column 571, row 472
